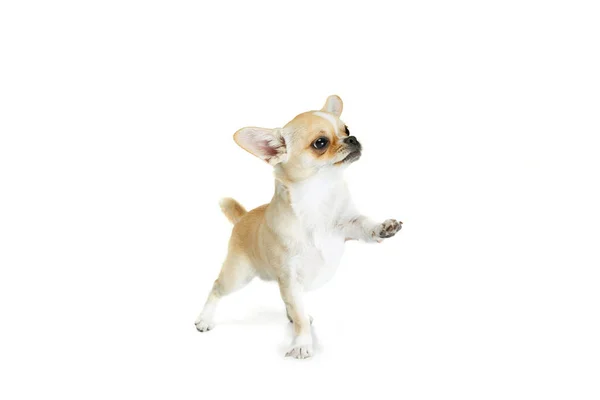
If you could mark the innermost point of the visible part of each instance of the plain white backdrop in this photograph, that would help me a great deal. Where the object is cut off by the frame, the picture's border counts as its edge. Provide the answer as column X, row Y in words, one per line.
column 480, row 124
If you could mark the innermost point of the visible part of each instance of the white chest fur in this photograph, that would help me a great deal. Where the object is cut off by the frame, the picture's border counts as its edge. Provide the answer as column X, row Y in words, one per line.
column 318, row 204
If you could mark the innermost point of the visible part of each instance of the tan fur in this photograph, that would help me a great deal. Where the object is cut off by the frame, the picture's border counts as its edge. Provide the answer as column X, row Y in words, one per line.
column 271, row 240
column 233, row 210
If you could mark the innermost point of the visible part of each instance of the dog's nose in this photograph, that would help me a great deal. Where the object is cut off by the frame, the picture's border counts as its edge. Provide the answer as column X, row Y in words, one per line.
column 351, row 140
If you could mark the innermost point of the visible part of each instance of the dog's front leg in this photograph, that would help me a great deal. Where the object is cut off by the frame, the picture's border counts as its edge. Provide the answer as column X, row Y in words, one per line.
column 367, row 230
column 291, row 293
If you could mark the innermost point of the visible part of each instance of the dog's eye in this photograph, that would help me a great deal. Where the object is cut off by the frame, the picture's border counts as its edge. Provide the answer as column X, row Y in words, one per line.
column 320, row 143
column 347, row 130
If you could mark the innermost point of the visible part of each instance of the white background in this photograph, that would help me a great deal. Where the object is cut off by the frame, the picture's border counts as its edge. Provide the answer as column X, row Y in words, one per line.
column 480, row 123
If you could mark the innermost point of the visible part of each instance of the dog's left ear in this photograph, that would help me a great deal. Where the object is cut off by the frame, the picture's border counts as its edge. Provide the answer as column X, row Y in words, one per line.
column 334, row 105
column 266, row 144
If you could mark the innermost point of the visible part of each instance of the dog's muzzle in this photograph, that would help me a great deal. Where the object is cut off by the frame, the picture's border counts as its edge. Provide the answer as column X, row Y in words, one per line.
column 353, row 143
column 355, row 149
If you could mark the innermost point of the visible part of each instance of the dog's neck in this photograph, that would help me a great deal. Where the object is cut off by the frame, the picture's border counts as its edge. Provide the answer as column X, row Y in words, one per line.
column 316, row 200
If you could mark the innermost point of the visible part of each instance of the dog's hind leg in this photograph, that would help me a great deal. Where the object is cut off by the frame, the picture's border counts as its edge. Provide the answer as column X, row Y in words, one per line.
column 235, row 274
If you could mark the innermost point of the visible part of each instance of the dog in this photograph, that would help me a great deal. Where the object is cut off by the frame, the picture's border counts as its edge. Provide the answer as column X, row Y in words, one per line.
column 298, row 238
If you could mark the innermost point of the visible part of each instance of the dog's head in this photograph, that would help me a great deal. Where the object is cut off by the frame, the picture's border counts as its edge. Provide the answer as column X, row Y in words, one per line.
column 311, row 142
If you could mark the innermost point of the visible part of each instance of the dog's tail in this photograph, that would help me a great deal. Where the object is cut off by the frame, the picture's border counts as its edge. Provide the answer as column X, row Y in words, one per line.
column 233, row 210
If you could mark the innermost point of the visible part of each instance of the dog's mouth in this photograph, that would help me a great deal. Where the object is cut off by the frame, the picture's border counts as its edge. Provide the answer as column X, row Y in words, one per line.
column 350, row 158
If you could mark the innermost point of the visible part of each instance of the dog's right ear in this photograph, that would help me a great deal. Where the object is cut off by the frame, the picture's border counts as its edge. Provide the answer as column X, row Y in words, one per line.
column 266, row 144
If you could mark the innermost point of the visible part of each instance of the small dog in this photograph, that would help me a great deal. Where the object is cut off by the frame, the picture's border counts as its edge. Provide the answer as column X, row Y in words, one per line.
column 298, row 238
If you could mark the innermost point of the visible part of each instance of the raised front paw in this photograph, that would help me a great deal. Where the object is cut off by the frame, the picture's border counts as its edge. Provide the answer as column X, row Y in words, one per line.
column 388, row 228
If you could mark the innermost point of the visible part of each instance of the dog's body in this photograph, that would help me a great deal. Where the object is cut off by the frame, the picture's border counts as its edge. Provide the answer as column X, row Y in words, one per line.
column 298, row 238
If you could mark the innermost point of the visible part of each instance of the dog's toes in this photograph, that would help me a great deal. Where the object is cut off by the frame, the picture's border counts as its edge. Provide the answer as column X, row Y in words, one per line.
column 300, row 352
column 204, row 325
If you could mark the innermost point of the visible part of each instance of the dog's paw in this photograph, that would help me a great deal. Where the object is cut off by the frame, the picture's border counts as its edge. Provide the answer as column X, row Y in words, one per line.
column 204, row 325
column 388, row 228
column 300, row 351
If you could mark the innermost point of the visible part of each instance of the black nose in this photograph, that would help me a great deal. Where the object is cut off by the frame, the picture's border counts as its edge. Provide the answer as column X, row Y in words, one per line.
column 351, row 140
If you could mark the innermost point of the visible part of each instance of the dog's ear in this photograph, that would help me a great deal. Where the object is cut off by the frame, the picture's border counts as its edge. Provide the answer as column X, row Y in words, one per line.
column 266, row 144
column 334, row 105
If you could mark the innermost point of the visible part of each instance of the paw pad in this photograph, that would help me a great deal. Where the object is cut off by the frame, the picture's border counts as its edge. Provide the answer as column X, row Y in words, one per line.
column 389, row 228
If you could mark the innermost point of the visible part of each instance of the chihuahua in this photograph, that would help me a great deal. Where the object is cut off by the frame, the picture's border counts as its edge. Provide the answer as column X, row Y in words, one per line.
column 298, row 238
